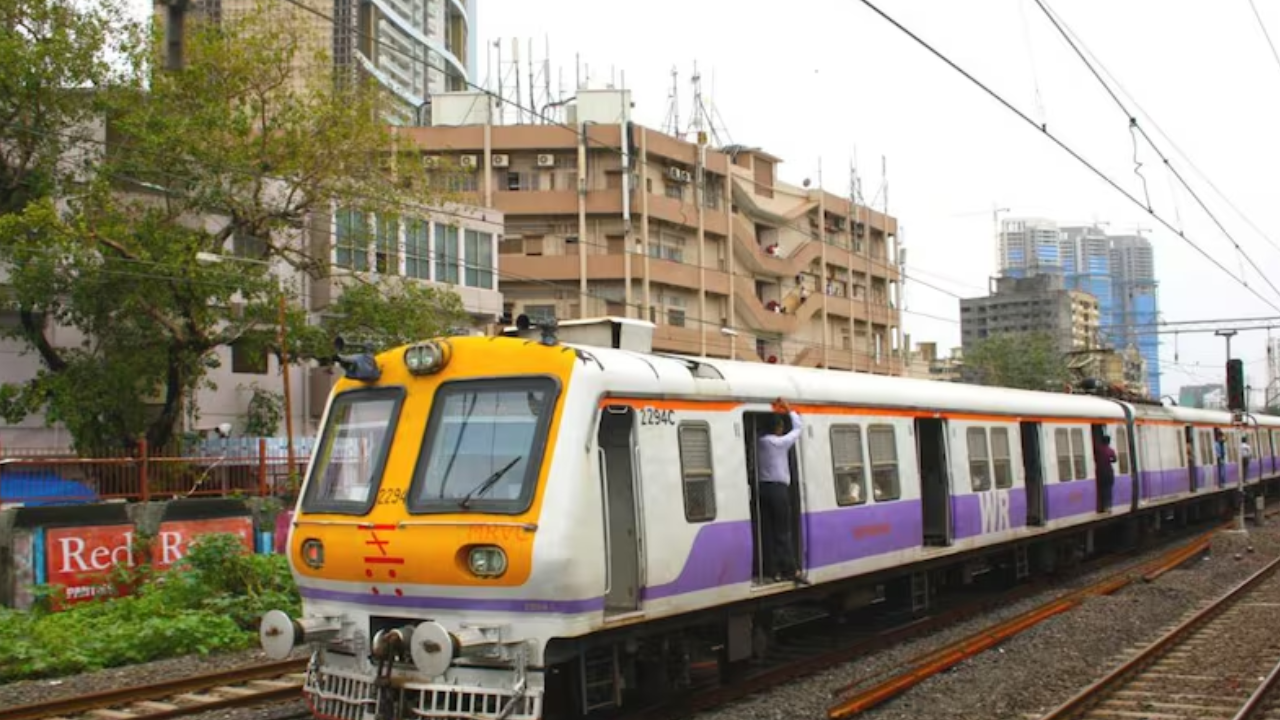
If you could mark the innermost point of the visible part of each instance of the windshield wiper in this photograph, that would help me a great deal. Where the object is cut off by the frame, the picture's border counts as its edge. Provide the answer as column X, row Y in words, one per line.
column 488, row 482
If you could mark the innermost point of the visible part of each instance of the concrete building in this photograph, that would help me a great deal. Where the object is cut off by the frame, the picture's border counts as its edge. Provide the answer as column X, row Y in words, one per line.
column 1122, row 368
column 924, row 363
column 709, row 244
column 1040, row 303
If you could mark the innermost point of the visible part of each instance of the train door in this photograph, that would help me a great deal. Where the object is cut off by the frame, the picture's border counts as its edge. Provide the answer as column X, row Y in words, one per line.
column 1189, row 457
column 754, row 425
column 618, row 469
column 1104, row 468
column 1033, row 468
column 935, row 480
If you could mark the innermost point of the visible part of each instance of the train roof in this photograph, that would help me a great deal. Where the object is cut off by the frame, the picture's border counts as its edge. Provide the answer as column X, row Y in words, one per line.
column 661, row 374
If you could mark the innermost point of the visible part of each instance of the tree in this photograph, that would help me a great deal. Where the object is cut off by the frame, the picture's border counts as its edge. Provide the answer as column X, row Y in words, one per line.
column 54, row 55
column 227, row 153
column 1029, row 361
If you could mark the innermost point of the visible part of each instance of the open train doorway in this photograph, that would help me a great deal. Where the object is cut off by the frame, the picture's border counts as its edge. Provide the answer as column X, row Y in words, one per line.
column 935, row 480
column 1103, row 451
column 755, row 425
column 1033, row 470
column 1189, row 458
column 621, row 516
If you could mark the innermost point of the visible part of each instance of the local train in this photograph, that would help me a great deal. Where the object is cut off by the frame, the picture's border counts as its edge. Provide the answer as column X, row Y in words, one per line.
column 522, row 527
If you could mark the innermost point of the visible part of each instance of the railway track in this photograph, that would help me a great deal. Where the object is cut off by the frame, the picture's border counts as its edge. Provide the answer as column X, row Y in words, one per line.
column 1221, row 662
column 242, row 687
column 818, row 644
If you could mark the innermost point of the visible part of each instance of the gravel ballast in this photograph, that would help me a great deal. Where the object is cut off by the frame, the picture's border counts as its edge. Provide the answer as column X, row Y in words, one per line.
column 1025, row 676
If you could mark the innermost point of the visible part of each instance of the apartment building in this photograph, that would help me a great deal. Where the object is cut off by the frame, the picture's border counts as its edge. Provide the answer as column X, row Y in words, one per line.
column 1040, row 303
column 924, row 363
column 619, row 219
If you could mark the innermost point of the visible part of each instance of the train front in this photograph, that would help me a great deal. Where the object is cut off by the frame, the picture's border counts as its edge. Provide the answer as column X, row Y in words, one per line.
column 414, row 540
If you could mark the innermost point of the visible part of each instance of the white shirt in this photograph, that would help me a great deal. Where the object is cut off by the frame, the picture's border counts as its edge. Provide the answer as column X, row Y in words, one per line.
column 771, row 453
column 1246, row 452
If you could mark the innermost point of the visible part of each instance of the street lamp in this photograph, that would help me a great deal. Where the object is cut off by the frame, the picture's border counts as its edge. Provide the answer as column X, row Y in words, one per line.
column 282, row 339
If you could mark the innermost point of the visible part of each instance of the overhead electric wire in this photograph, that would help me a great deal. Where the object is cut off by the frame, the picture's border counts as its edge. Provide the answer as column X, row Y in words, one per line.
column 1265, row 34
column 1063, row 146
column 1135, row 125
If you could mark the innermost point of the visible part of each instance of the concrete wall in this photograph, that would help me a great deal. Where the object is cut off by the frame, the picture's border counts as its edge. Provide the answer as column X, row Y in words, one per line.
column 75, row 546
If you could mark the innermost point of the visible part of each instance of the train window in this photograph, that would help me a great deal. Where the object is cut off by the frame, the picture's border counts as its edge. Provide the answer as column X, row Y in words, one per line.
column 1062, row 445
column 1233, row 446
column 883, row 447
column 1001, row 457
column 349, row 461
column 696, row 469
column 1077, row 454
column 1206, row 448
column 1122, row 450
column 847, row 465
column 979, row 461
column 484, row 445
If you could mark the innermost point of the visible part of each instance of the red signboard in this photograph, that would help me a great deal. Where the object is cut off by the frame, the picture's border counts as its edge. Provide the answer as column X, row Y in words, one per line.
column 171, row 543
column 79, row 558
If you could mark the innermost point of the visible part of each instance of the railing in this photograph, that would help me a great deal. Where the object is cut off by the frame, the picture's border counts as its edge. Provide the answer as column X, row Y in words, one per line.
column 256, row 467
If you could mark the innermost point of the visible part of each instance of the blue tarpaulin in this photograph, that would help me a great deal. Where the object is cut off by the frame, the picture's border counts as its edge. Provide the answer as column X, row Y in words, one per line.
column 41, row 487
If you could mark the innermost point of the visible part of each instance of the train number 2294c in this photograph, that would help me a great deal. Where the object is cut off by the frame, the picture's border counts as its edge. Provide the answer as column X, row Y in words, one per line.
column 654, row 416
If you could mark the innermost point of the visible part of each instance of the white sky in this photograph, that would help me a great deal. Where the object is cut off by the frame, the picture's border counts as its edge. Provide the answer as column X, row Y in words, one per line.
column 812, row 80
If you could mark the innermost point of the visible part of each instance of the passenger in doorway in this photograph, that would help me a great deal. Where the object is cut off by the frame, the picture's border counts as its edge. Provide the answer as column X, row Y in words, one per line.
column 1105, row 456
column 772, row 451
column 1220, row 453
column 1246, row 454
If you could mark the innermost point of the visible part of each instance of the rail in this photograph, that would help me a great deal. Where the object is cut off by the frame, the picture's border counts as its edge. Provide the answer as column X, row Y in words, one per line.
column 240, row 687
column 1102, row 690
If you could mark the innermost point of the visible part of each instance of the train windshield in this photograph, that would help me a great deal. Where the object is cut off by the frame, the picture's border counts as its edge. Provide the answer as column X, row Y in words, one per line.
column 484, row 446
column 353, row 451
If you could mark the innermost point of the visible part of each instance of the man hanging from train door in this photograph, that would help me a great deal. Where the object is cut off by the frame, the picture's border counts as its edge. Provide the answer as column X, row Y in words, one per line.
column 1104, row 457
column 1220, row 453
column 773, row 458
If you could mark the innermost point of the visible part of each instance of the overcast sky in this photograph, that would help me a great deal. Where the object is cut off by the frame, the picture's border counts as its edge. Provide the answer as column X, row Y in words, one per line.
column 813, row 80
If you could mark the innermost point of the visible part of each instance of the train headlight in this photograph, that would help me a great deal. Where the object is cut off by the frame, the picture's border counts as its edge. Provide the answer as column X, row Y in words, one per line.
column 313, row 553
column 487, row 561
column 426, row 358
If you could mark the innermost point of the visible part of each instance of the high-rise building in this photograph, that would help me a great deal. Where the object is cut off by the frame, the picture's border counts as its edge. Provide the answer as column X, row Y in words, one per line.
column 1117, row 270
column 1086, row 266
column 1029, row 246
column 413, row 48
column 1135, row 309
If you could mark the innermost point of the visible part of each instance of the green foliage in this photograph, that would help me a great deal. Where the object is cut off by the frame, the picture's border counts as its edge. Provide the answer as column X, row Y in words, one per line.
column 390, row 313
column 211, row 602
column 1029, row 361
column 266, row 410
column 228, row 154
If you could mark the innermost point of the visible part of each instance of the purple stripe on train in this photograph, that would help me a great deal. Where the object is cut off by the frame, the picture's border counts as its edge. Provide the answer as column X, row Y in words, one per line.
column 1067, row 499
column 721, row 555
column 863, row 531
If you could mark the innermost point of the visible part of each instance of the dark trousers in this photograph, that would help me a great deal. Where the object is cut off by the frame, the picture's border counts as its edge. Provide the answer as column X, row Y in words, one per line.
column 775, row 529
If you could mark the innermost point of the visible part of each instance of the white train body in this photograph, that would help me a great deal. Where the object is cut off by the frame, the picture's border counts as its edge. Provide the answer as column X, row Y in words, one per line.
column 639, row 528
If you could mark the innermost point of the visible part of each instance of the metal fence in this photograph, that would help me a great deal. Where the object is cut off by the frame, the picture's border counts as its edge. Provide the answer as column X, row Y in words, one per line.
column 227, row 468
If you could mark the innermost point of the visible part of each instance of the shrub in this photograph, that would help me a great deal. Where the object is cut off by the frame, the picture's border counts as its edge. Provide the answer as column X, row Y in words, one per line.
column 209, row 602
